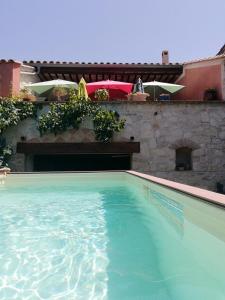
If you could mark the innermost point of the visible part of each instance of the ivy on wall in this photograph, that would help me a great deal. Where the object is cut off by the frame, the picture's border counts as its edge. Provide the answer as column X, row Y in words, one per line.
column 14, row 111
column 11, row 113
column 62, row 116
column 59, row 118
column 106, row 123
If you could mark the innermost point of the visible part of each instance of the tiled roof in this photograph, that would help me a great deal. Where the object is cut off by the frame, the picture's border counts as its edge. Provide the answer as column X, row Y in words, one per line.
column 45, row 62
column 51, row 62
column 8, row 61
column 91, row 72
column 97, row 71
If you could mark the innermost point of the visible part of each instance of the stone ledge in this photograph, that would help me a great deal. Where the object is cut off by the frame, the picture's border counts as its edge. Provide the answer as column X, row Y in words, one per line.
column 208, row 196
column 221, row 102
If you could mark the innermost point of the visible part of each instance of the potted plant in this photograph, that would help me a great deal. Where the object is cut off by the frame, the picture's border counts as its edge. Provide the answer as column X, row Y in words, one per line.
column 59, row 93
column 26, row 95
column 210, row 94
column 102, row 95
column 138, row 96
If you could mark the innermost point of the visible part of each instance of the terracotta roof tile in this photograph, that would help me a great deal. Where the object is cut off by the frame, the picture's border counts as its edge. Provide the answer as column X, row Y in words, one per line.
column 9, row 61
column 127, row 72
column 97, row 63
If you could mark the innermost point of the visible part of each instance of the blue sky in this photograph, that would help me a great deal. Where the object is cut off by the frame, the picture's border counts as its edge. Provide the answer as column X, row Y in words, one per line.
column 111, row 30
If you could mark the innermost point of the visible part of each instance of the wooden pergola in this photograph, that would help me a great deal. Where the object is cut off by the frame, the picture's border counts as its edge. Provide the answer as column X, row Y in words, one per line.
column 91, row 72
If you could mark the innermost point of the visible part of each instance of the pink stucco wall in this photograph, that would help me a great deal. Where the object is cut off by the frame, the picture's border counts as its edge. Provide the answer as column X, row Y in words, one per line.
column 197, row 77
column 9, row 78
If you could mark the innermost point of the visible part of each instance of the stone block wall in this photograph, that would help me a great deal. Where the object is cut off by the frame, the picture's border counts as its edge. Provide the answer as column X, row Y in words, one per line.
column 161, row 128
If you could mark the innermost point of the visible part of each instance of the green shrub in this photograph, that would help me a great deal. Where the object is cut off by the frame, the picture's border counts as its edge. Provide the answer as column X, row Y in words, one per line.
column 106, row 123
column 14, row 111
column 62, row 116
column 102, row 94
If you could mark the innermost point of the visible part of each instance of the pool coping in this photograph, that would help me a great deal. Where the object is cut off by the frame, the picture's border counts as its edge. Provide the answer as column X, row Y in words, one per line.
column 205, row 195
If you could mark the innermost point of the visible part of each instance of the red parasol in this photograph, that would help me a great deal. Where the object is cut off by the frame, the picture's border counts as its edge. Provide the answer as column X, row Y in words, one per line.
column 116, row 89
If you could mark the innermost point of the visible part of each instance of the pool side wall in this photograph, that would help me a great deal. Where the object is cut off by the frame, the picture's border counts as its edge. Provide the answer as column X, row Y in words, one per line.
column 199, row 193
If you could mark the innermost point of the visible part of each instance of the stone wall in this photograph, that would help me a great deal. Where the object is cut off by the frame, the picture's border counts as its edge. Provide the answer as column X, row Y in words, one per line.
column 160, row 128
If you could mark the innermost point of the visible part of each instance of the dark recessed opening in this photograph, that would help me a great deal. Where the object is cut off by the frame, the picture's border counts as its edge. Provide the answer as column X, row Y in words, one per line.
column 82, row 162
column 183, row 159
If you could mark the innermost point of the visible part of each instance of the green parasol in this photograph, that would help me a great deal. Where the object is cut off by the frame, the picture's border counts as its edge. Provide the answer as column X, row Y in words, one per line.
column 45, row 86
column 169, row 87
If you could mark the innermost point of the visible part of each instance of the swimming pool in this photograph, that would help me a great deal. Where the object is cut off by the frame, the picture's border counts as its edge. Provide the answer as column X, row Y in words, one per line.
column 107, row 236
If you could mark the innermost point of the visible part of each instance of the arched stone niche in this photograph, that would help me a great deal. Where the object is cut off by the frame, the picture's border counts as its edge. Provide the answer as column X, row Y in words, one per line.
column 184, row 143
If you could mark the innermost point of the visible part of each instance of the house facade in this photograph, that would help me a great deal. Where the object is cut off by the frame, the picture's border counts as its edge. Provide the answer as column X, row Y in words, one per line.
column 181, row 140
column 201, row 75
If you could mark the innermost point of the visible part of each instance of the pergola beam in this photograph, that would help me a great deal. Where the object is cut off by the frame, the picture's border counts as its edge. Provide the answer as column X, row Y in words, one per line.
column 123, row 72
column 78, row 148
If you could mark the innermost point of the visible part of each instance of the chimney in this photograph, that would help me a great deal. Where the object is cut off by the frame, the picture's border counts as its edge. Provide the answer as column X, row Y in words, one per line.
column 165, row 57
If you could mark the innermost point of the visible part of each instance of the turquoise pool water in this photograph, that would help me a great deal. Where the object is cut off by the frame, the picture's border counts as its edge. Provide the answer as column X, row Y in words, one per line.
column 107, row 236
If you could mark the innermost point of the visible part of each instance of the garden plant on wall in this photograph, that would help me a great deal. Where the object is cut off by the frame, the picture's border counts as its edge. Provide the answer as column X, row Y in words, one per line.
column 102, row 95
column 63, row 116
column 59, row 118
column 12, row 111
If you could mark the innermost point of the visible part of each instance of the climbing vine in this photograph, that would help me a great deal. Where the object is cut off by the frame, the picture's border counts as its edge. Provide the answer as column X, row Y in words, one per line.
column 59, row 118
column 12, row 111
column 62, row 116
column 106, row 123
